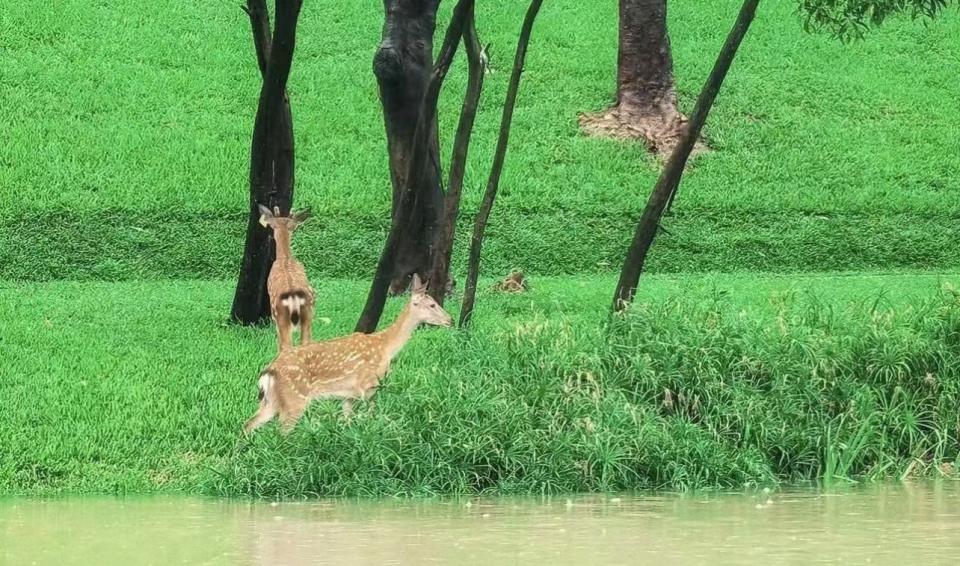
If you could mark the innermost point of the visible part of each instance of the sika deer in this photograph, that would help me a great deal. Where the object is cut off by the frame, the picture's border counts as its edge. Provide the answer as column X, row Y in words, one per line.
column 346, row 368
column 291, row 297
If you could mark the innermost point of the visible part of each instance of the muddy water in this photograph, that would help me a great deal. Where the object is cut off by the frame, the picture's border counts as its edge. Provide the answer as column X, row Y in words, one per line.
column 899, row 524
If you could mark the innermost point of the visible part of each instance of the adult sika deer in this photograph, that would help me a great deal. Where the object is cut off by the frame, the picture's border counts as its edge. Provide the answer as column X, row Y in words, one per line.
column 346, row 368
column 291, row 297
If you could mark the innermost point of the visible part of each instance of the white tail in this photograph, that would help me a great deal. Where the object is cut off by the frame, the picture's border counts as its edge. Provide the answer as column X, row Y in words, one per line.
column 265, row 384
column 292, row 304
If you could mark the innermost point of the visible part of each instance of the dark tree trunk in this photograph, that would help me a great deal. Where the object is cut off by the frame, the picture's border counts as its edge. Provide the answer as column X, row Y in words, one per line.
column 402, row 64
column 493, row 181
column 438, row 279
column 645, row 84
column 416, row 166
column 673, row 171
column 271, row 154
column 646, row 105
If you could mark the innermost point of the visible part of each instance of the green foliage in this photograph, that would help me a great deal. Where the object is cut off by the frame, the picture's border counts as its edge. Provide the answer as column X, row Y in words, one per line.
column 850, row 19
column 708, row 382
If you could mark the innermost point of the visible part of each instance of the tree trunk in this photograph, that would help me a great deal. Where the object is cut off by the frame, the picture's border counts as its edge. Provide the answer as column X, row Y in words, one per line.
column 271, row 154
column 645, row 84
column 646, row 107
column 673, row 171
column 438, row 280
column 425, row 126
column 402, row 64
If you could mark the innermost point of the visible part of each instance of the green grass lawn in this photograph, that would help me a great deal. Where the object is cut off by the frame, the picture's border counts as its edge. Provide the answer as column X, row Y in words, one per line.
column 711, row 382
column 127, row 131
column 123, row 166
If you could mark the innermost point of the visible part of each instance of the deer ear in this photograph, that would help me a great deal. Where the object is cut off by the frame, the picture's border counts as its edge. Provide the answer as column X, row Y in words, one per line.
column 418, row 285
column 265, row 215
column 302, row 216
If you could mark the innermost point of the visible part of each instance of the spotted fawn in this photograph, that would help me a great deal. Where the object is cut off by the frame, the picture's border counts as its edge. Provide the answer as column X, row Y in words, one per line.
column 346, row 368
column 291, row 297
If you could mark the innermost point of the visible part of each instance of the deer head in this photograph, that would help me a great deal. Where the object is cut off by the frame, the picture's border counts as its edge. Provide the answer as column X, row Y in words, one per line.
column 424, row 308
column 275, row 220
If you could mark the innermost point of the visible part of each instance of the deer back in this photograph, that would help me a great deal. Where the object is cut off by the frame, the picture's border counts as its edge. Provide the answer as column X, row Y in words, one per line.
column 355, row 362
column 287, row 274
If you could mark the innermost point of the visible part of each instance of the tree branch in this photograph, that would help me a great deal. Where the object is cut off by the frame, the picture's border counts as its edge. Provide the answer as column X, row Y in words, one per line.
column 493, row 181
column 260, row 26
column 443, row 239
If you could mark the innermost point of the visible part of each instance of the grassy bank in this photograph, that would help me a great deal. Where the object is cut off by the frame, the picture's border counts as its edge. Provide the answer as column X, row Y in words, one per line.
column 712, row 381
column 156, row 246
column 126, row 141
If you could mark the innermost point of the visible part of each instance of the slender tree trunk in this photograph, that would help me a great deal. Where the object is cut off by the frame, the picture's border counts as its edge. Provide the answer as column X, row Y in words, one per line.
column 402, row 64
column 646, row 106
column 493, row 182
column 271, row 154
column 420, row 153
column 438, row 279
column 673, row 171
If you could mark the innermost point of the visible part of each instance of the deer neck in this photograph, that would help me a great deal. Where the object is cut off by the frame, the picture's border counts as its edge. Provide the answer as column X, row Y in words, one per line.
column 282, row 236
column 398, row 334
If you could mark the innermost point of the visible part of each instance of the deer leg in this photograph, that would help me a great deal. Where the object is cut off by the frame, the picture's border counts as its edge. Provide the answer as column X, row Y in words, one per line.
column 289, row 417
column 278, row 323
column 306, row 324
column 284, row 334
column 347, row 409
column 266, row 412
column 368, row 397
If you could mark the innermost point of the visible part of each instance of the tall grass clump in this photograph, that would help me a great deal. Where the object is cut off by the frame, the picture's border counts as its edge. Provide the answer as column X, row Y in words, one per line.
column 677, row 393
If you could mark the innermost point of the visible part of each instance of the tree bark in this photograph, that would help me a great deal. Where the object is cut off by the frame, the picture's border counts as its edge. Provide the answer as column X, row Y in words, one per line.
column 493, row 182
column 271, row 154
column 673, row 171
column 438, row 279
column 645, row 83
column 646, row 106
column 403, row 64
column 425, row 127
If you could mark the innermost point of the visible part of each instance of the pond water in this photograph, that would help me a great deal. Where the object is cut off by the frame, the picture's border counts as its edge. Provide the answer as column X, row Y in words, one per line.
column 894, row 524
